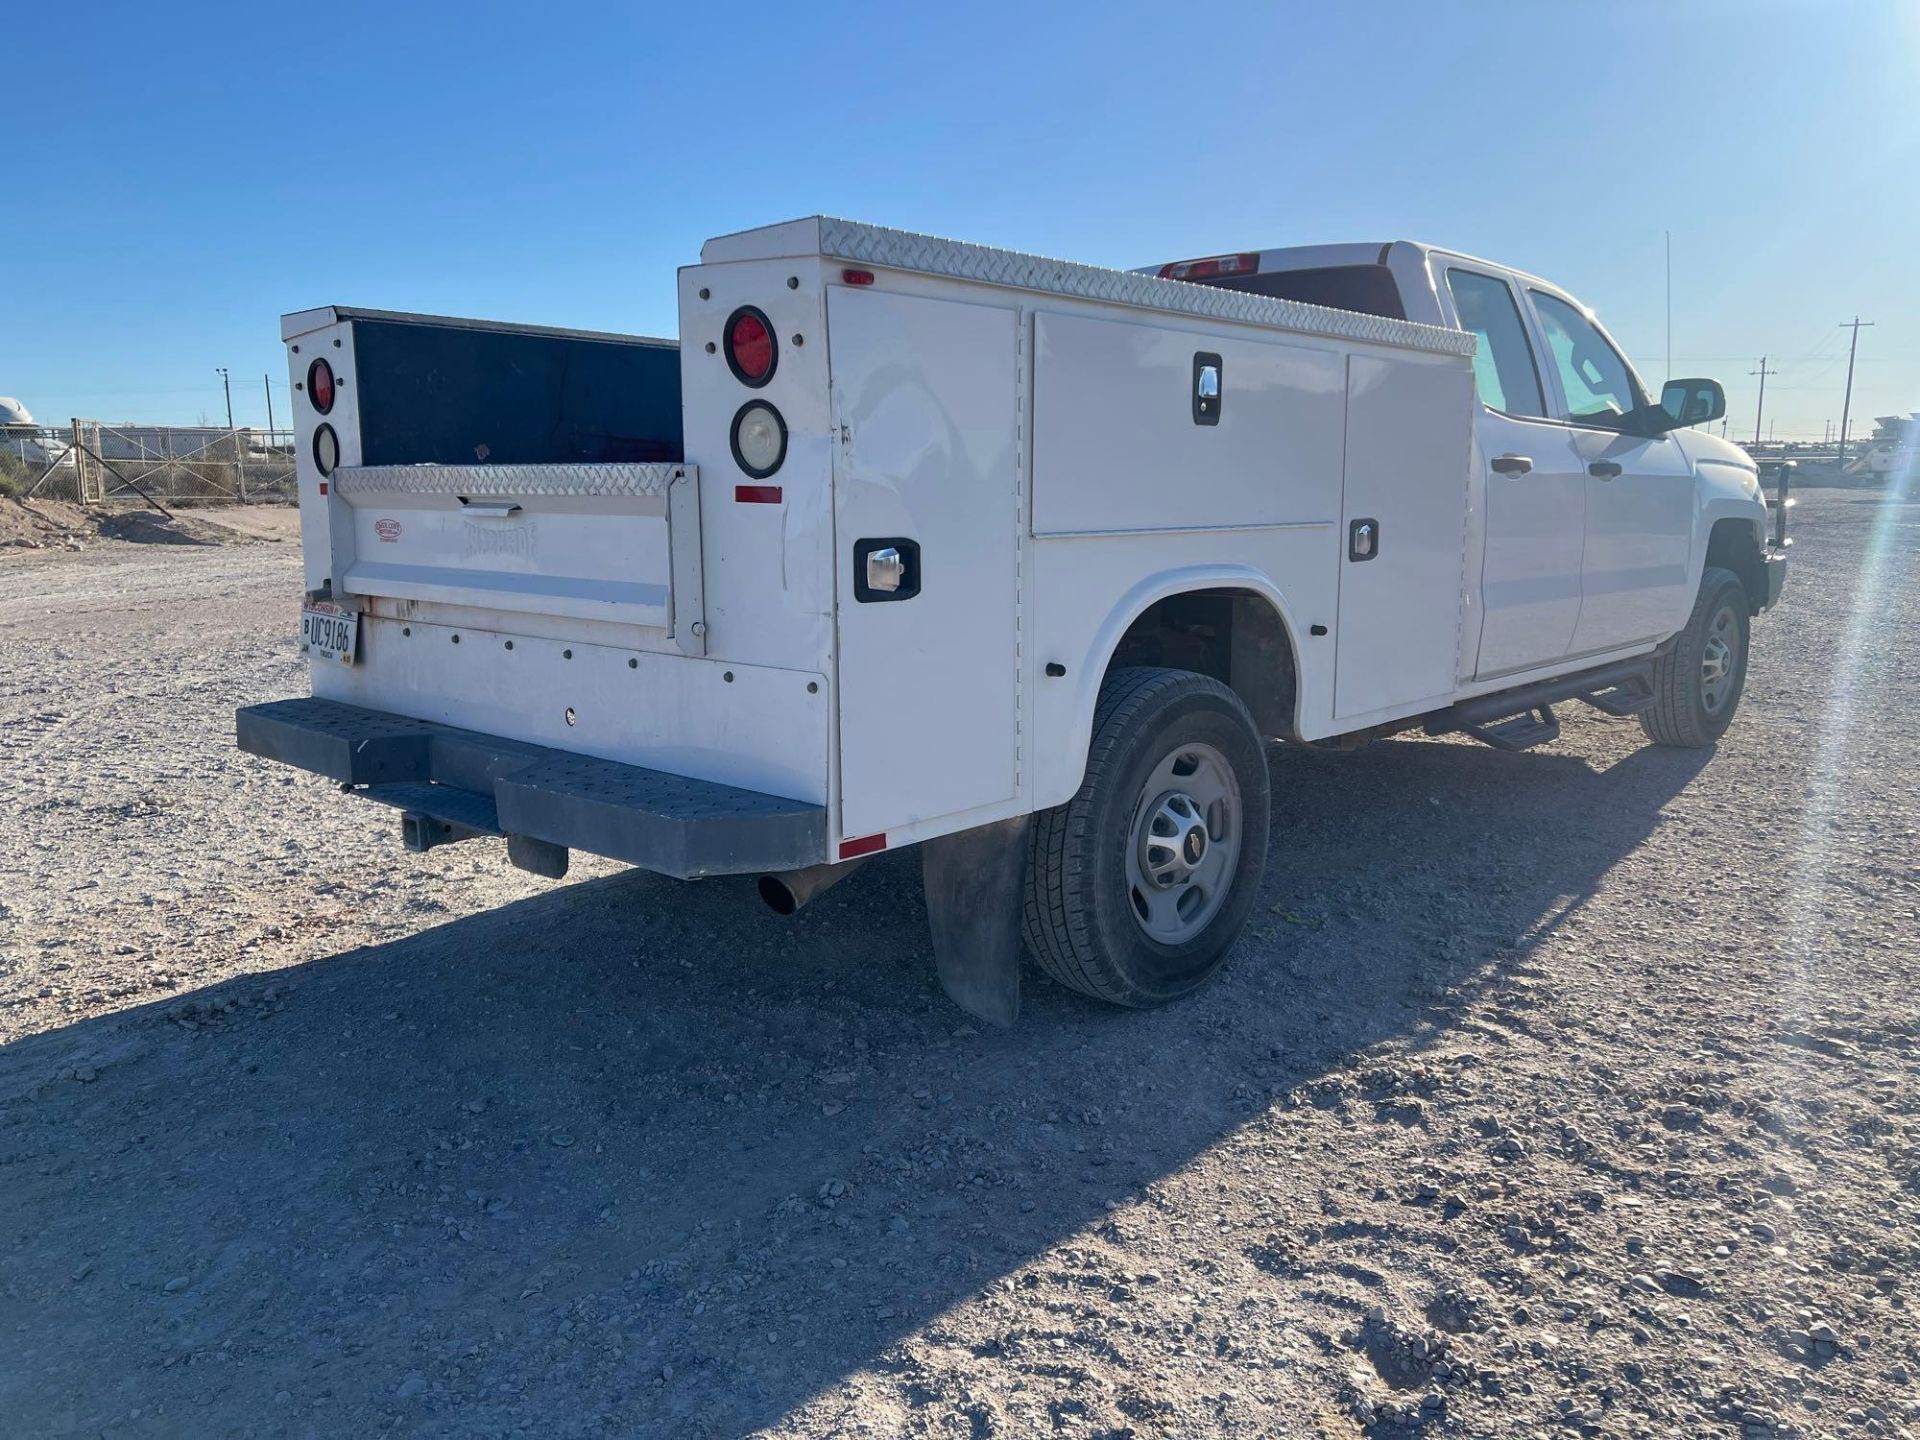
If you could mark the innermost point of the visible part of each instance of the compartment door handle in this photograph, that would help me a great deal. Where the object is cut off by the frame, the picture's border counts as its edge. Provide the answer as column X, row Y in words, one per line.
column 885, row 569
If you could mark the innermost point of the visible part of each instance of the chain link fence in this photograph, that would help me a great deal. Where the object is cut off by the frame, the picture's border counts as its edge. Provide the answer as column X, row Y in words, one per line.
column 92, row 462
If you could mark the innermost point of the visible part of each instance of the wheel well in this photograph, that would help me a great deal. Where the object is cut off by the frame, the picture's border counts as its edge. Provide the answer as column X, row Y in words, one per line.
column 1235, row 636
column 1732, row 547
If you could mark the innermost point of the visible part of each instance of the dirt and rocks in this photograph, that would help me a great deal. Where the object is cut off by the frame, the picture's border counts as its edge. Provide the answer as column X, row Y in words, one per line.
column 1566, row 1093
column 31, row 523
column 44, row 524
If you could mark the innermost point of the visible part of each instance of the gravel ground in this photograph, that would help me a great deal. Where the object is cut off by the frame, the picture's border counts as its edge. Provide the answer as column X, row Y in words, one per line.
column 1571, row 1092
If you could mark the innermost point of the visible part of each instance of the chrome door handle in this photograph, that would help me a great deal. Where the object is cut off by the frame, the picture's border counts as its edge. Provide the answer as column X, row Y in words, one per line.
column 1512, row 464
column 885, row 569
column 1603, row 470
column 1206, row 388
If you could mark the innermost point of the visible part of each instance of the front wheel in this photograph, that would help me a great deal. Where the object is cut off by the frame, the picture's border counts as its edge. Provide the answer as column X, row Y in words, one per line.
column 1138, row 885
column 1698, row 682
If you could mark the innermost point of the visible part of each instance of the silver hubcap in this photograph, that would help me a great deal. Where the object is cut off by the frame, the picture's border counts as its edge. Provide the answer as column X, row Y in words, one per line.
column 1185, row 843
column 1719, row 659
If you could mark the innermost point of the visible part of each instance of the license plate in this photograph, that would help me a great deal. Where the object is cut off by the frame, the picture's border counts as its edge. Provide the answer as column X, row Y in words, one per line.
column 329, row 631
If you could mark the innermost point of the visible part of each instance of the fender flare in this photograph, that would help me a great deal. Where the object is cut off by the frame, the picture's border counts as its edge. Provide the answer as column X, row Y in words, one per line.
column 1722, row 497
column 1135, row 603
column 1748, row 564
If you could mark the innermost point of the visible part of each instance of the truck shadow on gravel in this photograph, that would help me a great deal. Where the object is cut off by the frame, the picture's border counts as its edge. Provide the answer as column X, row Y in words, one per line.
column 640, row 1158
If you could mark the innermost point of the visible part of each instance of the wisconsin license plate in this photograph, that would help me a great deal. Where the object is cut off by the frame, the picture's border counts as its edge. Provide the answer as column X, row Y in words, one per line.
column 329, row 631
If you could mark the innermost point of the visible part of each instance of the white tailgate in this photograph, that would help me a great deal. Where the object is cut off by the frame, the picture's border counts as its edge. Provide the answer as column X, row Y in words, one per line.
column 928, row 722
column 617, row 543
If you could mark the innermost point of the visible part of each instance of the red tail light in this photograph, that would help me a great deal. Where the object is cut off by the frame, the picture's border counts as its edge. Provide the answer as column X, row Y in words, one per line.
column 751, row 352
column 320, row 386
column 1212, row 268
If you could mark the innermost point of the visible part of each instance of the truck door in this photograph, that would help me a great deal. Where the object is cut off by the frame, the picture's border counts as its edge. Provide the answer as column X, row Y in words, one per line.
column 1639, row 530
column 926, row 533
column 1534, row 483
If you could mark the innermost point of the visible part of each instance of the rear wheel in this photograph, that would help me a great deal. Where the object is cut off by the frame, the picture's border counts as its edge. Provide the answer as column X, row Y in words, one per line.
column 1138, row 885
column 1697, row 684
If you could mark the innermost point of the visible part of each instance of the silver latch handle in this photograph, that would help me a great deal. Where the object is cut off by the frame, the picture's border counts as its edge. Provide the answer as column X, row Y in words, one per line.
column 885, row 569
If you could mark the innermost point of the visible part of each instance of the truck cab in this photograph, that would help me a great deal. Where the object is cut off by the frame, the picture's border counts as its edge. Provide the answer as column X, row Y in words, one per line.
column 1591, row 528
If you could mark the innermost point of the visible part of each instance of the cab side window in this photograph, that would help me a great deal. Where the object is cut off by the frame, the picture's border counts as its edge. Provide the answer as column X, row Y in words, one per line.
column 1599, row 385
column 1503, row 369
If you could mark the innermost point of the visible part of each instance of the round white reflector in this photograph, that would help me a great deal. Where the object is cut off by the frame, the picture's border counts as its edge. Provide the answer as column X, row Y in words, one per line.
column 759, row 438
column 326, row 449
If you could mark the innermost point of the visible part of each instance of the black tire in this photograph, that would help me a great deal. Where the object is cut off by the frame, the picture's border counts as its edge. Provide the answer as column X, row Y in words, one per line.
column 1683, row 712
column 1080, row 922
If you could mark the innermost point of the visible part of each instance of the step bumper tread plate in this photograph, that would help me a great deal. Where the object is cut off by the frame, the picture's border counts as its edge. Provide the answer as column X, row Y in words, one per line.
column 463, row 809
column 675, row 825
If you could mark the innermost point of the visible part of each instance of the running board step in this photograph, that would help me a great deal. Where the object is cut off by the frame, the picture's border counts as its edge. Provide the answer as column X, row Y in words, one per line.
column 1537, row 726
column 1520, row 718
column 1628, row 697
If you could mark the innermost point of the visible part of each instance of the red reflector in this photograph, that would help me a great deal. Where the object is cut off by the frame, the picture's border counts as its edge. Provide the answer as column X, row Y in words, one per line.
column 1212, row 268
column 323, row 487
column 757, row 494
column 865, row 845
column 320, row 385
column 857, row 277
column 750, row 346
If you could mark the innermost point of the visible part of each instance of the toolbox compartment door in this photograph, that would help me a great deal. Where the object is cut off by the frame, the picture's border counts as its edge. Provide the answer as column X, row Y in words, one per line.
column 606, row 542
column 927, row 467
column 1402, row 534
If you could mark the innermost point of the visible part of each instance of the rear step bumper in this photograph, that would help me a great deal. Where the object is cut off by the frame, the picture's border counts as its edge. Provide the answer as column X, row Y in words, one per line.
column 485, row 785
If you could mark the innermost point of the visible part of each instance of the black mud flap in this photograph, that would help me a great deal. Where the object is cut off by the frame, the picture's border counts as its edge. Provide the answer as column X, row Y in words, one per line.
column 974, row 882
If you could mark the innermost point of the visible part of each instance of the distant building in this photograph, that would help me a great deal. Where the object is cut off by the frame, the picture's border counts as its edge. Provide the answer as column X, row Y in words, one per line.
column 1894, row 446
column 165, row 442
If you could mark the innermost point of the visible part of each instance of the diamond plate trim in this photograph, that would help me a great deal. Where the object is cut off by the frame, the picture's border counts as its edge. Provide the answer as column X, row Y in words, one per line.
column 904, row 250
column 635, row 480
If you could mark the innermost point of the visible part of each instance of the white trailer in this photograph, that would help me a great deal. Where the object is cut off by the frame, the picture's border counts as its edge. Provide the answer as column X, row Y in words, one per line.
column 922, row 543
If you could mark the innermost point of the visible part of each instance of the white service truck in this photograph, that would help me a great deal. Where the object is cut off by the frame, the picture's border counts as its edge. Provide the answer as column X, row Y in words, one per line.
column 1023, row 562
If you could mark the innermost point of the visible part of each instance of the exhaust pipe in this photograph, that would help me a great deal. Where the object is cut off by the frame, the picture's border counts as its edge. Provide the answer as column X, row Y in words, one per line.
column 787, row 891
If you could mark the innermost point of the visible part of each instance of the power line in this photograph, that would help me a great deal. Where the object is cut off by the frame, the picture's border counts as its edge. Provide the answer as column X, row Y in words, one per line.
column 1762, row 372
column 1847, row 403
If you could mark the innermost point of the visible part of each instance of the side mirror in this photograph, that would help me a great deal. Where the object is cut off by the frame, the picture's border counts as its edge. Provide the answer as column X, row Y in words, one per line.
column 1692, row 402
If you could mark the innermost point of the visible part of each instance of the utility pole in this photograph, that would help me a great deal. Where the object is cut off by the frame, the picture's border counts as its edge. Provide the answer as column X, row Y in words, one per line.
column 1847, row 404
column 1762, row 372
column 266, row 382
column 221, row 371
column 1669, row 305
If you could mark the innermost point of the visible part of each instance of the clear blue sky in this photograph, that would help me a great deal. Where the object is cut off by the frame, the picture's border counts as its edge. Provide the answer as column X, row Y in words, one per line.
column 181, row 175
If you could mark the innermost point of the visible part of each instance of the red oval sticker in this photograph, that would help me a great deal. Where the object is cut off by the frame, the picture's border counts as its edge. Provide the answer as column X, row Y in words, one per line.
column 387, row 529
